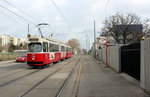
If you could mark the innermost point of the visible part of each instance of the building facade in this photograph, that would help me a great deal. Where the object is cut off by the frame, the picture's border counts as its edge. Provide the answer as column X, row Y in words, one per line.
column 7, row 40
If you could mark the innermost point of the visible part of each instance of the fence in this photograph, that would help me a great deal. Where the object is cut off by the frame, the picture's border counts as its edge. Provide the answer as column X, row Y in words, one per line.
column 8, row 56
column 145, row 65
column 113, row 56
column 130, row 60
column 130, row 52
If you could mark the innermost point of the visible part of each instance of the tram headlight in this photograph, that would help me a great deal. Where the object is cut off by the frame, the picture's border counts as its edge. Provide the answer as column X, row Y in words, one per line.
column 33, row 58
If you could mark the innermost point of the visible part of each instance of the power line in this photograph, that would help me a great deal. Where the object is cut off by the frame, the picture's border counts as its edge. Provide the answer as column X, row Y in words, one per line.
column 22, row 11
column 107, row 3
column 51, row 29
column 17, row 15
column 10, row 18
column 60, row 12
column 19, row 10
column 106, row 7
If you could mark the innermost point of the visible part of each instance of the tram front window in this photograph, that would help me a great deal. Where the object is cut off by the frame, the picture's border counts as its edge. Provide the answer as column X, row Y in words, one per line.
column 35, row 47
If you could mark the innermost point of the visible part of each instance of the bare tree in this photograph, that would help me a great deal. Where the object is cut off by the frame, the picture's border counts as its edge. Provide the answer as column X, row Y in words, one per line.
column 74, row 43
column 122, row 22
column 146, row 26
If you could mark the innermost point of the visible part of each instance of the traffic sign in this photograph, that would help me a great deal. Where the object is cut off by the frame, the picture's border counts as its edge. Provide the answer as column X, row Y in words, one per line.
column 103, row 40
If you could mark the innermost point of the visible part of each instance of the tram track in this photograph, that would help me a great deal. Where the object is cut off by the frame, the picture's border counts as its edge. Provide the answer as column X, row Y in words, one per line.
column 39, row 83
column 76, row 71
column 1, row 85
column 67, row 80
column 78, row 77
column 20, row 77
column 48, row 76
column 12, row 73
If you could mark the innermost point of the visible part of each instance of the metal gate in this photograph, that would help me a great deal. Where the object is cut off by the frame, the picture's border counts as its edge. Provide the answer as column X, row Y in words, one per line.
column 130, row 60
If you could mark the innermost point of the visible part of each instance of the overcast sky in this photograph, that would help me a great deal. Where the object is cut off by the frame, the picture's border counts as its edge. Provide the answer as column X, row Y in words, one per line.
column 79, row 16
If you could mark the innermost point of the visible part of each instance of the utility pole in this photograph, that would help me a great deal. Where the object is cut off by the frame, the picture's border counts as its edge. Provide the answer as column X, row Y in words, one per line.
column 94, row 51
column 86, row 43
column 89, row 44
column 28, row 35
column 28, row 28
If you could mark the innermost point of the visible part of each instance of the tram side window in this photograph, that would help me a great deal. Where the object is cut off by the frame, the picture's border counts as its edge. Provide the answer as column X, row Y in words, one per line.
column 62, row 48
column 53, row 47
column 56, row 48
column 45, row 47
column 68, row 49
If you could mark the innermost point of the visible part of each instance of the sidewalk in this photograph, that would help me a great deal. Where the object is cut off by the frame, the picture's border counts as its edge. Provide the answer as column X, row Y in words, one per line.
column 98, row 81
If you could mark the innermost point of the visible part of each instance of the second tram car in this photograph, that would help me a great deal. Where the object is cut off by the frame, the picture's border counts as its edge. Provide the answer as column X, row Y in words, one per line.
column 43, row 51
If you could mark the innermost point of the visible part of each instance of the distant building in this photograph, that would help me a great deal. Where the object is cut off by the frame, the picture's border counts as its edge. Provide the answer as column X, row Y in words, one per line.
column 23, row 41
column 125, row 34
column 15, row 41
column 5, row 40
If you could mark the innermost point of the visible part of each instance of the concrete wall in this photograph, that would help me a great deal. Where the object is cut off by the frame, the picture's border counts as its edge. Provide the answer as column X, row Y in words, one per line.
column 145, row 65
column 114, row 58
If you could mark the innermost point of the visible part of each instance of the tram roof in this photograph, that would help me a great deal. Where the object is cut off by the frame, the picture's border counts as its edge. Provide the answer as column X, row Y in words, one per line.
column 48, row 39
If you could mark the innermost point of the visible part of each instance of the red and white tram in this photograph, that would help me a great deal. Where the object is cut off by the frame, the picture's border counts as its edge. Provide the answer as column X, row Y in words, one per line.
column 43, row 51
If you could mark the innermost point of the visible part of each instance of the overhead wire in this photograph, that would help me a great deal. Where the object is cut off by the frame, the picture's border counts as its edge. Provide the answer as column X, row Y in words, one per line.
column 51, row 29
column 21, row 17
column 29, row 15
column 106, row 7
column 17, row 15
column 11, row 18
column 105, row 15
column 60, row 12
column 15, row 19
column 19, row 10
column 107, row 3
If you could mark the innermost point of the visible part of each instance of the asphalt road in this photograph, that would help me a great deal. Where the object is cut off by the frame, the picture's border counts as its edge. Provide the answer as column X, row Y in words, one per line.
column 17, row 80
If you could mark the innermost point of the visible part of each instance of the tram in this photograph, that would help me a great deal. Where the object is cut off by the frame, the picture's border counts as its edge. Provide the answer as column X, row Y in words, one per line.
column 44, row 51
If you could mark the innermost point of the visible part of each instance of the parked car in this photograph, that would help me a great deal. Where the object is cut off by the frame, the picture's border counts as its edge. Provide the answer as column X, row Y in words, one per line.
column 21, row 58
